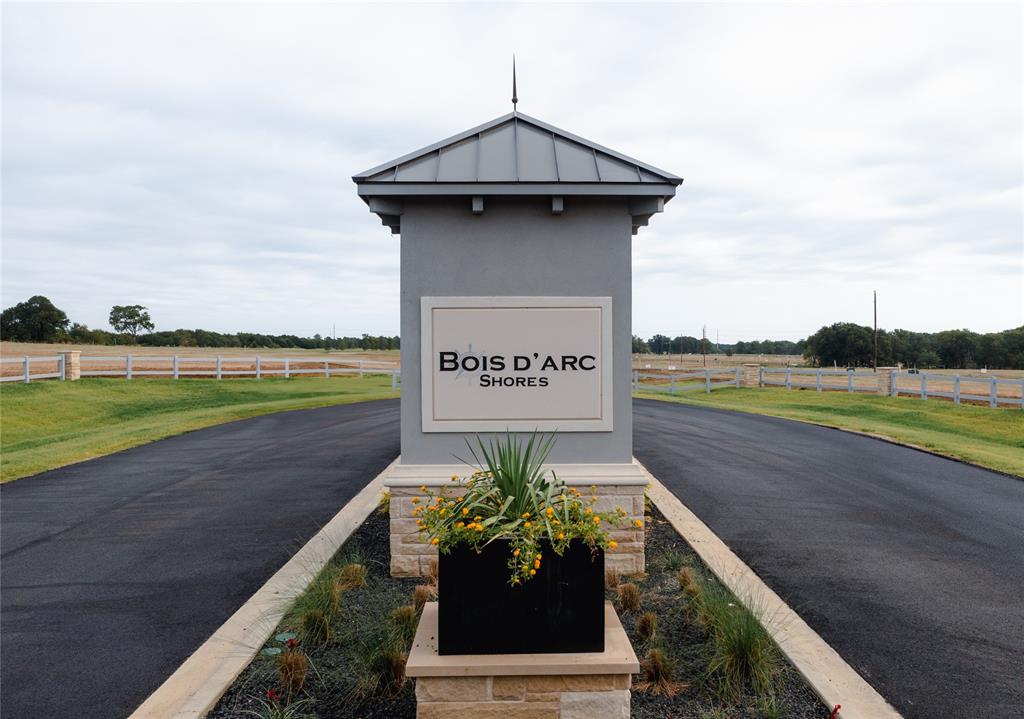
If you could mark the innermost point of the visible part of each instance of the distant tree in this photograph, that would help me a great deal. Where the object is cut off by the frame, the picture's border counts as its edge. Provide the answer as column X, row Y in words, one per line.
column 639, row 346
column 129, row 319
column 843, row 343
column 660, row 344
column 34, row 320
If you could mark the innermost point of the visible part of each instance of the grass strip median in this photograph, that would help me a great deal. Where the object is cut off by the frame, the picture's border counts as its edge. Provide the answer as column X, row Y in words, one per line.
column 992, row 438
column 44, row 425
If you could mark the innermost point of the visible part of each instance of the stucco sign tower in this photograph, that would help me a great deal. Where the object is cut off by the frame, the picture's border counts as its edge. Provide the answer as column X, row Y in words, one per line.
column 516, row 304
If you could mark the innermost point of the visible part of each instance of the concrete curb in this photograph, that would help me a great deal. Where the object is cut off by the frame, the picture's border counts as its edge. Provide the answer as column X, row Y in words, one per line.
column 828, row 675
column 197, row 685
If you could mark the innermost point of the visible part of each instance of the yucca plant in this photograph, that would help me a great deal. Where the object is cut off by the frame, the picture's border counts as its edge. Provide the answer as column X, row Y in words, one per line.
column 510, row 495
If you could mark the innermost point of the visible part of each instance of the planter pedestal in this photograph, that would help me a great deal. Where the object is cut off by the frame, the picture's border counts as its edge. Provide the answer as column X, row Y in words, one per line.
column 522, row 686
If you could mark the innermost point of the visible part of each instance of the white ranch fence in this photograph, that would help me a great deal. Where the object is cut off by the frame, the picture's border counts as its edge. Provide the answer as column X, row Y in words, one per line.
column 26, row 372
column 927, row 385
column 686, row 380
column 993, row 391
column 819, row 379
column 179, row 366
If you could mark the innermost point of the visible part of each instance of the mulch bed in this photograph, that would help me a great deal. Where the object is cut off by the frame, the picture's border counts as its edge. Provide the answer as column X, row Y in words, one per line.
column 329, row 688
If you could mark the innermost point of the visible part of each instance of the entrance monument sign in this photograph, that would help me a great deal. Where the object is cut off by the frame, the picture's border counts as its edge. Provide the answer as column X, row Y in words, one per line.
column 516, row 307
column 516, row 363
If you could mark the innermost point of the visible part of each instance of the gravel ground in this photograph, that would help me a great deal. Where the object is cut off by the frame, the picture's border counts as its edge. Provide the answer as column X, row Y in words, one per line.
column 328, row 689
column 680, row 636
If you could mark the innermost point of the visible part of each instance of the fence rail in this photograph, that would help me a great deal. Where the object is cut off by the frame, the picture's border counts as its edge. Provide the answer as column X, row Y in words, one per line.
column 926, row 385
column 177, row 366
column 686, row 380
column 930, row 384
column 824, row 379
column 27, row 373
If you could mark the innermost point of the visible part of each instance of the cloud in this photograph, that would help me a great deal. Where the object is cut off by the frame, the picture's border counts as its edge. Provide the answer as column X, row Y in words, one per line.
column 197, row 158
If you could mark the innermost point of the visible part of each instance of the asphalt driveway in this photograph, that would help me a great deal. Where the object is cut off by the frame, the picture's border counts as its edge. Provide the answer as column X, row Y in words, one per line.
column 911, row 566
column 115, row 570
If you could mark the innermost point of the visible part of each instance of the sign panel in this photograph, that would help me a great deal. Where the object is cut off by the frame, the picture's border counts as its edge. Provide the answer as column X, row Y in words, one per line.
column 518, row 363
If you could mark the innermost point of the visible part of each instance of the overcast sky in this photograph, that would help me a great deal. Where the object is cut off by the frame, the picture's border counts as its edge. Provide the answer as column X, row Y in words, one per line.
column 197, row 159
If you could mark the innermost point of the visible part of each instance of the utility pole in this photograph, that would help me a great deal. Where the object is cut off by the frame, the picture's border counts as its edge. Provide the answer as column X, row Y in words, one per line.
column 875, row 362
column 704, row 344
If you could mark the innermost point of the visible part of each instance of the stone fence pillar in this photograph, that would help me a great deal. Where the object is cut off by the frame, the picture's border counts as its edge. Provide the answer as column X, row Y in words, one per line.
column 750, row 375
column 886, row 380
column 72, row 365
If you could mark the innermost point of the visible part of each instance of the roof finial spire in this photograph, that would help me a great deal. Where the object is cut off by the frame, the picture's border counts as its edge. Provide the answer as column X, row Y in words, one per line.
column 515, row 98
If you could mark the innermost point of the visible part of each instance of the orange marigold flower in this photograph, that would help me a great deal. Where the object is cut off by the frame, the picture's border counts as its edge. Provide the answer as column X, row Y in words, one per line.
column 597, row 520
column 549, row 511
column 527, row 524
column 423, row 488
column 458, row 499
column 455, row 478
column 434, row 541
column 532, row 572
column 479, row 527
column 464, row 511
column 515, row 553
column 477, row 518
column 639, row 523
column 588, row 511
column 613, row 544
column 526, row 515
column 536, row 565
column 460, row 525
column 415, row 500
column 561, row 535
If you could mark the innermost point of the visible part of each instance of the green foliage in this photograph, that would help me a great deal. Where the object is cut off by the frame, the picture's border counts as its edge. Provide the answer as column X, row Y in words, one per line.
column 510, row 496
column 275, row 708
column 315, row 626
column 744, row 655
column 405, row 619
column 672, row 560
column 34, row 320
column 129, row 319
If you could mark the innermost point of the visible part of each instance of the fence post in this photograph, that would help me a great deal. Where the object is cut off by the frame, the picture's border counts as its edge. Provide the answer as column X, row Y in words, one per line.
column 394, row 380
column 789, row 378
column 894, row 379
column 956, row 389
column 174, row 366
column 127, row 366
column 924, row 386
column 286, row 368
column 259, row 368
column 62, row 367
column 707, row 381
column 327, row 372
column 360, row 368
column 218, row 366
column 28, row 372
column 737, row 377
column 636, row 380
column 849, row 382
column 993, row 394
column 817, row 378
column 671, row 383
column 760, row 376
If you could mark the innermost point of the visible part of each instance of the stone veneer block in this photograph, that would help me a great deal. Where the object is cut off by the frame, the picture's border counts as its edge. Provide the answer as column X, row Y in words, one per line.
column 617, row 485
column 522, row 686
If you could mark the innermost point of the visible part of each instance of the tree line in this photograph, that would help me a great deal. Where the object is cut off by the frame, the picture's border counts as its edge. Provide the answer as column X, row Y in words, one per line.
column 37, row 319
column 841, row 344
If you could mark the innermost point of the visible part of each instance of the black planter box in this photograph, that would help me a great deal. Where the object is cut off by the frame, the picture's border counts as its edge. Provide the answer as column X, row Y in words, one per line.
column 561, row 609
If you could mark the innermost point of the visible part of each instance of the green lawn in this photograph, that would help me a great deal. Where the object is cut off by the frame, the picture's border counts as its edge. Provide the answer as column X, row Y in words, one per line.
column 992, row 438
column 49, row 424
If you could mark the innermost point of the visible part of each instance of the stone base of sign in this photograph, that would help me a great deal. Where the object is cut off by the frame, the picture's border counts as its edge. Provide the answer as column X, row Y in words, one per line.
column 522, row 686
column 616, row 485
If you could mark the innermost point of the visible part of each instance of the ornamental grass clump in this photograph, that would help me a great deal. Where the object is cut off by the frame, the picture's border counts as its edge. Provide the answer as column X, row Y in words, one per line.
column 292, row 666
column 647, row 625
column 657, row 674
column 405, row 619
column 422, row 594
column 629, row 597
column 510, row 496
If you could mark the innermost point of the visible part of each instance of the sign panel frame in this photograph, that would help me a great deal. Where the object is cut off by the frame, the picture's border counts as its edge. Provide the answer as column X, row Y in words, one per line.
column 431, row 423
